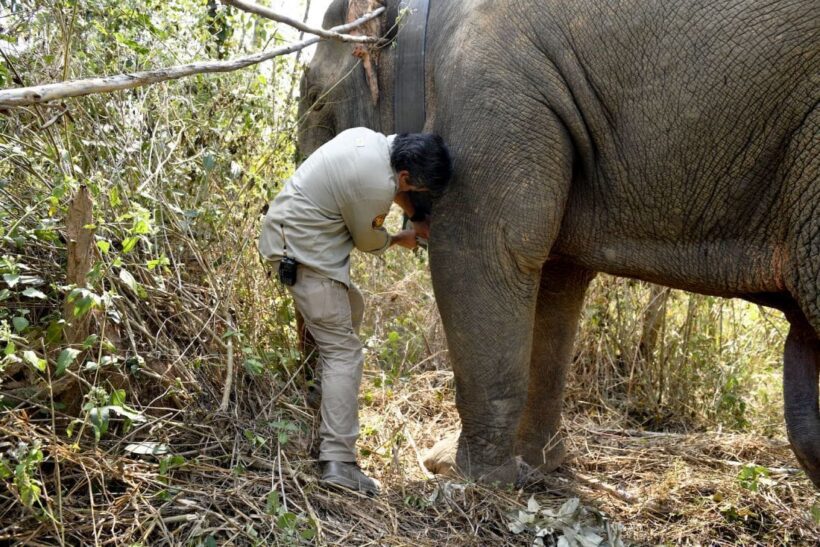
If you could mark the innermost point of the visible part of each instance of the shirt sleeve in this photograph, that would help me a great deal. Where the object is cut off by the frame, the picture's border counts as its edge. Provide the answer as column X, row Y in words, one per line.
column 364, row 219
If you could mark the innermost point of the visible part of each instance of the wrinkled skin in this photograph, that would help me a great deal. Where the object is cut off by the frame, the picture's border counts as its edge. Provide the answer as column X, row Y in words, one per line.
column 671, row 141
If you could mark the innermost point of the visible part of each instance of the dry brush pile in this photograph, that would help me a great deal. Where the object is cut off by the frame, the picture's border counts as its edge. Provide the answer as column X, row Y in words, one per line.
column 152, row 389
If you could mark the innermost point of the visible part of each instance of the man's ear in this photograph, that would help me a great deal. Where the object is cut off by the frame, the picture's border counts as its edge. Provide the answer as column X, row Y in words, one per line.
column 404, row 179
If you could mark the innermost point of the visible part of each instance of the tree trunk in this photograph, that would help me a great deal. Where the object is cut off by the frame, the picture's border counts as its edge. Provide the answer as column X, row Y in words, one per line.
column 80, row 256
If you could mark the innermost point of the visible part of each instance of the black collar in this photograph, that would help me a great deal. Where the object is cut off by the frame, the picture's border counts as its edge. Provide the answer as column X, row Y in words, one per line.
column 408, row 84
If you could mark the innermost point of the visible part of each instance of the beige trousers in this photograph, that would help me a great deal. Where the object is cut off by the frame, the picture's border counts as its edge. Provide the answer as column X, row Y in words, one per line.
column 333, row 314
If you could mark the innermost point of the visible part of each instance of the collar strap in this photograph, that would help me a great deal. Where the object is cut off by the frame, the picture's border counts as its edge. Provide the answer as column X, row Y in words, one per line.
column 408, row 89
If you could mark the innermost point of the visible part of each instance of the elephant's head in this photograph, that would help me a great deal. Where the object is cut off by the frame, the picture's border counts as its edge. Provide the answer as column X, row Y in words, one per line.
column 339, row 88
column 348, row 85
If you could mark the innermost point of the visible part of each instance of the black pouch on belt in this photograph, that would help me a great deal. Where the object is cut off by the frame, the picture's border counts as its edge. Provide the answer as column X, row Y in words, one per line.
column 288, row 265
column 287, row 271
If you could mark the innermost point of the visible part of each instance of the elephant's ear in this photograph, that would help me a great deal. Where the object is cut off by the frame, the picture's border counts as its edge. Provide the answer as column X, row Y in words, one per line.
column 374, row 27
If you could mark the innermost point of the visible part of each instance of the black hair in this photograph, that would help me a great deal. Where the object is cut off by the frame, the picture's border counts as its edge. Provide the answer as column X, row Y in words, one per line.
column 425, row 157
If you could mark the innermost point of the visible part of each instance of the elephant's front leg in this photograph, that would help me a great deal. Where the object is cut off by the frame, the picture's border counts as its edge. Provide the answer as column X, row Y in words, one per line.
column 491, row 234
column 488, row 322
column 560, row 300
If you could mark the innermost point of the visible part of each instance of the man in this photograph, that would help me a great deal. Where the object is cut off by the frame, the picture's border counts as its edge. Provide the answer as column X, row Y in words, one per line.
column 337, row 199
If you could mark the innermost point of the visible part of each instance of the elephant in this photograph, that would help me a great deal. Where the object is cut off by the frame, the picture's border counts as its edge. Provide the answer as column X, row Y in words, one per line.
column 671, row 141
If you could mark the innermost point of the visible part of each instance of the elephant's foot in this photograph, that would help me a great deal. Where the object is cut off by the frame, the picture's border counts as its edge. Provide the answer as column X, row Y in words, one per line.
column 448, row 459
column 544, row 457
column 441, row 459
column 502, row 473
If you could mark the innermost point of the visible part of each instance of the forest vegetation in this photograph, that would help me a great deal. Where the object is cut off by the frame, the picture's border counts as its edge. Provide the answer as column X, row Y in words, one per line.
column 152, row 391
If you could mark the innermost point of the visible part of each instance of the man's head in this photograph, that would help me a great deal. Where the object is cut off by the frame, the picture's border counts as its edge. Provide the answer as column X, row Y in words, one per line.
column 422, row 162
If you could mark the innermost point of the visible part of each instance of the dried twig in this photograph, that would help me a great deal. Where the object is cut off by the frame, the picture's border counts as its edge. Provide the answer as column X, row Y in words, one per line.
column 226, row 393
column 299, row 25
column 77, row 88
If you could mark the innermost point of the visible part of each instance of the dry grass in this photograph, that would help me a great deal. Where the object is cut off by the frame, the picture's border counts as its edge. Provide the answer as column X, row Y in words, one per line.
column 662, row 487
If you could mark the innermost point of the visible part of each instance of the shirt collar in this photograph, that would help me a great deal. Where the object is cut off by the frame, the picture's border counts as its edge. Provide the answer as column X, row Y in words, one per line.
column 390, row 139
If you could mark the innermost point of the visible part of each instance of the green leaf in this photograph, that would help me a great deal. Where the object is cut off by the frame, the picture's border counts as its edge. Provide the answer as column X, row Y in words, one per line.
column 141, row 227
column 253, row 366
column 114, row 196
column 31, row 292
column 54, row 332
column 815, row 512
column 4, row 294
column 67, row 356
column 170, row 462
column 161, row 261
column 32, row 359
column 20, row 324
column 11, row 279
column 5, row 469
column 230, row 333
column 104, row 246
column 89, row 342
column 10, row 348
column 118, row 397
column 84, row 300
column 99, row 420
column 83, row 306
column 29, row 492
column 129, row 243
column 286, row 521
column 272, row 503
column 308, row 533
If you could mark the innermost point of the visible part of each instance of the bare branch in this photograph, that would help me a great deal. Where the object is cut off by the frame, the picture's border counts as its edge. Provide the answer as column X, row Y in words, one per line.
column 295, row 23
column 43, row 93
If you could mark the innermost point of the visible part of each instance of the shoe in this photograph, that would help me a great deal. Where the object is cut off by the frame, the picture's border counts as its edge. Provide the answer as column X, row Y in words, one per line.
column 348, row 475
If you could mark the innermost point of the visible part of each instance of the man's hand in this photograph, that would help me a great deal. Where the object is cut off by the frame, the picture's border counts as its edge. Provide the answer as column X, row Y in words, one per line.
column 405, row 238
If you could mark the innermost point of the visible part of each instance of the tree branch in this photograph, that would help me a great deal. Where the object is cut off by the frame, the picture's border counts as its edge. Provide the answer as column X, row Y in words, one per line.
column 77, row 88
column 295, row 23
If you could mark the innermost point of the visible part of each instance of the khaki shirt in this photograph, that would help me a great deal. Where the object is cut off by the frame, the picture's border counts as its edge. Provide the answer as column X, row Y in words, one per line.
column 337, row 199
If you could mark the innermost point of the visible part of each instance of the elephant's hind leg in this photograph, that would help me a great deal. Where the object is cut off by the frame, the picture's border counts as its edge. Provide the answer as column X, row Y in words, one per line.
column 802, row 354
column 560, row 299
column 801, row 366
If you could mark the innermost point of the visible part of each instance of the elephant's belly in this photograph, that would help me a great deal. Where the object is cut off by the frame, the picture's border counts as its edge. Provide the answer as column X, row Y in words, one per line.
column 724, row 268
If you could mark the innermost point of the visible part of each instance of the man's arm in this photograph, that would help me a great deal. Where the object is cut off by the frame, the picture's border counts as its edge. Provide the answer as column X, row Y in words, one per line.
column 365, row 225
column 364, row 220
column 405, row 238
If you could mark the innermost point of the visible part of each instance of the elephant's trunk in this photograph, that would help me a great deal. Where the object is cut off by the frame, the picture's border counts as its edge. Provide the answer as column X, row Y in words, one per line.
column 800, row 390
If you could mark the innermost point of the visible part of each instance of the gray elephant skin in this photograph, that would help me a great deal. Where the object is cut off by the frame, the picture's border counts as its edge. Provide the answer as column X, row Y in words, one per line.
column 674, row 141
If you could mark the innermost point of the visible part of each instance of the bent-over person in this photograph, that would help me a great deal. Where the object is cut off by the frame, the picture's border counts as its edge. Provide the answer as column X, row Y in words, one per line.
column 337, row 200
